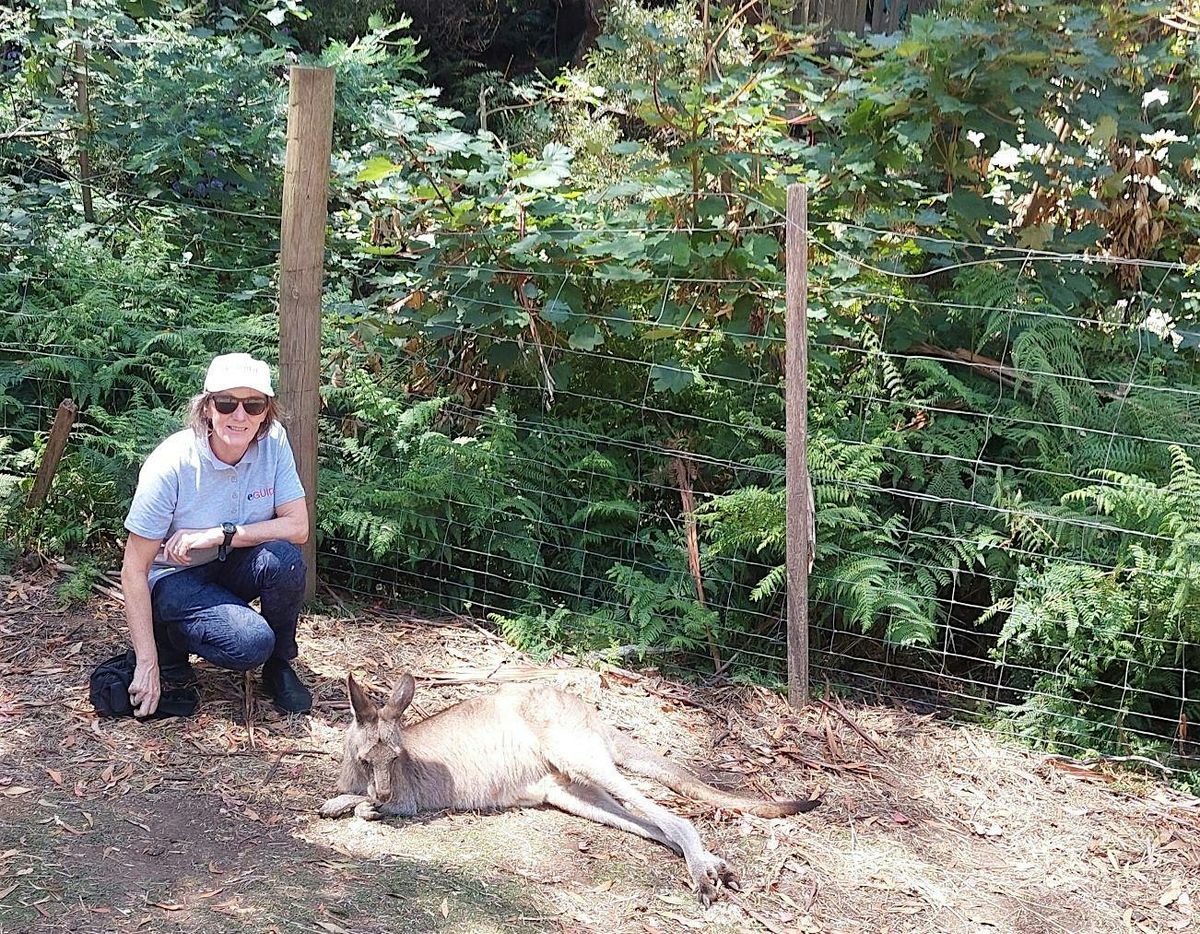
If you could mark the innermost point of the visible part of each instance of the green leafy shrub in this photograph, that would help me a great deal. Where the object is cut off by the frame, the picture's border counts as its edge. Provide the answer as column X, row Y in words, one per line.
column 1106, row 643
column 128, row 340
column 528, row 336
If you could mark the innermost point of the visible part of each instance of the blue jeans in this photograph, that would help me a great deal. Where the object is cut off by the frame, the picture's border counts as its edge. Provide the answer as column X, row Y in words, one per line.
column 203, row 610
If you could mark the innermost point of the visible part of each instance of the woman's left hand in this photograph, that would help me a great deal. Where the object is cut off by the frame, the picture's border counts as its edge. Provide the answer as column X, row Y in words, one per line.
column 179, row 546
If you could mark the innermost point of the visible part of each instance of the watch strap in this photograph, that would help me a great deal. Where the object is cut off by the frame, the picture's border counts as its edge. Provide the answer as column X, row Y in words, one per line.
column 230, row 530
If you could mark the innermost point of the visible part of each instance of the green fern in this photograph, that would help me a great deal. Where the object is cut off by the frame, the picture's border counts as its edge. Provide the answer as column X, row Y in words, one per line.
column 1114, row 643
column 127, row 339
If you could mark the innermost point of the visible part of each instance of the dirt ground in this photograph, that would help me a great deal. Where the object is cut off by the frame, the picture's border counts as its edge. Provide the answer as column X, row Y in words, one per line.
column 209, row 824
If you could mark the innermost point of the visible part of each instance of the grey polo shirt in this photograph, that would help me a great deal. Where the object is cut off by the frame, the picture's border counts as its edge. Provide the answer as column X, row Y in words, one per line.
column 183, row 485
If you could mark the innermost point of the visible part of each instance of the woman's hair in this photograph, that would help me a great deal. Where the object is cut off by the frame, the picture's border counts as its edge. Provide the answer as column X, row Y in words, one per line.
column 198, row 421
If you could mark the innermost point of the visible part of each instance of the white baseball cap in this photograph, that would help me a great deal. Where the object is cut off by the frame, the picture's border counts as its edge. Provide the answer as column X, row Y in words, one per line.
column 235, row 370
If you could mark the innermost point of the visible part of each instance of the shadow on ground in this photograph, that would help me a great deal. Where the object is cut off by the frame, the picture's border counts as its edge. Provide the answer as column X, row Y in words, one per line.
column 176, row 860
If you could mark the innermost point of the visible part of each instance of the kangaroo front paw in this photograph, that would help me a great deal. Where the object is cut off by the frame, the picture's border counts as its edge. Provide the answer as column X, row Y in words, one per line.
column 339, row 806
column 367, row 810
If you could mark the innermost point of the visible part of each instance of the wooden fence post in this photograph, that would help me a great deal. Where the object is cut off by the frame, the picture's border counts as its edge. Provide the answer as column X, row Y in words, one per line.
column 799, row 509
column 64, row 418
column 301, row 270
column 85, row 133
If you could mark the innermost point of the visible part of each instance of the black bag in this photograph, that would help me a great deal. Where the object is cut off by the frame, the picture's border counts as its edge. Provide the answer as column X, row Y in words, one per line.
column 109, row 691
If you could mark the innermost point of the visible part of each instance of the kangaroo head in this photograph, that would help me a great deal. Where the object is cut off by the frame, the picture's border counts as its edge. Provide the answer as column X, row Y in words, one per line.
column 375, row 738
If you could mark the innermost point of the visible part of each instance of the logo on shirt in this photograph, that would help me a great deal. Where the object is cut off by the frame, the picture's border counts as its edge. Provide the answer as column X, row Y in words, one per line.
column 265, row 492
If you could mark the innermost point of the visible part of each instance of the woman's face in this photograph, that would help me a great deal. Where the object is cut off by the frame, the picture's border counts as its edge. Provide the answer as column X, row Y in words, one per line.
column 234, row 428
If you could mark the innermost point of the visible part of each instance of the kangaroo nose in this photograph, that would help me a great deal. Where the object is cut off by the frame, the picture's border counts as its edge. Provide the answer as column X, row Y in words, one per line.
column 383, row 783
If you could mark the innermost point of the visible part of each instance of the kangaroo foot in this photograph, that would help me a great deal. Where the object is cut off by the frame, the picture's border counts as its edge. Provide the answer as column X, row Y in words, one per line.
column 709, row 875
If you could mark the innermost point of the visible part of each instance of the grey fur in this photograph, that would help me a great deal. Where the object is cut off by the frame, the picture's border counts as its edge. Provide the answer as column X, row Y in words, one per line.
column 521, row 747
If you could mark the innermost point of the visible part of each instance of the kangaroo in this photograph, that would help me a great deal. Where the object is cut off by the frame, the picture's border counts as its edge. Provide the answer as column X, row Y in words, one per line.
column 523, row 747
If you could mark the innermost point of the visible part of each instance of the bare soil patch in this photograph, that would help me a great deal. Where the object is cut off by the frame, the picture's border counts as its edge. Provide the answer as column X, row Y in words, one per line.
column 208, row 824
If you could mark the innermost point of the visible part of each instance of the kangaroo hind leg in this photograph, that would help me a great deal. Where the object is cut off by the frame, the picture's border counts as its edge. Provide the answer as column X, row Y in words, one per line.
column 585, row 757
column 596, row 804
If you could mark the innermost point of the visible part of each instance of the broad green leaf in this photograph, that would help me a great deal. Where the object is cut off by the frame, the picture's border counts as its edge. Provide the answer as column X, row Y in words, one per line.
column 711, row 206
column 448, row 141
column 1104, row 130
column 969, row 205
column 610, row 272
column 619, row 320
column 626, row 189
column 671, row 378
column 378, row 167
column 1088, row 235
column 503, row 355
column 543, row 178
column 586, row 337
column 680, row 249
column 620, row 246
column 763, row 249
column 1036, row 236
column 555, row 311
column 529, row 242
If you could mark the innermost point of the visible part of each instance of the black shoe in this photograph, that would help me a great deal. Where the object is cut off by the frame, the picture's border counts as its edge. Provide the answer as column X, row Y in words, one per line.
column 177, row 701
column 177, row 674
column 286, row 689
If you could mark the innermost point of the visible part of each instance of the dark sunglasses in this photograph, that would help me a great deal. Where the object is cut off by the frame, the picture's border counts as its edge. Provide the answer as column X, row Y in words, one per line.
column 227, row 405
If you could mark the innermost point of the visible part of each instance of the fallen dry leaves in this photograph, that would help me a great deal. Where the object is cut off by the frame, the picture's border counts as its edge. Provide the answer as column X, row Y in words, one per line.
column 922, row 825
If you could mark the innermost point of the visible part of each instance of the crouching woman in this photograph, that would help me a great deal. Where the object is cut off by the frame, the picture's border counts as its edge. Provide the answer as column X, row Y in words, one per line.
column 215, row 521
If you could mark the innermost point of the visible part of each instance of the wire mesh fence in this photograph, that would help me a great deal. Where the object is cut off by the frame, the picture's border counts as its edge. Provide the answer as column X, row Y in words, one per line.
column 1004, row 489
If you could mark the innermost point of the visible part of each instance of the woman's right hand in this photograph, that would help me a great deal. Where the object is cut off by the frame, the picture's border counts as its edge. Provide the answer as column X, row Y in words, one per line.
column 145, row 689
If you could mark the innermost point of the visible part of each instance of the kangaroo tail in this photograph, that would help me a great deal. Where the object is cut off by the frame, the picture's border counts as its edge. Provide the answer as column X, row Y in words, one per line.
column 637, row 758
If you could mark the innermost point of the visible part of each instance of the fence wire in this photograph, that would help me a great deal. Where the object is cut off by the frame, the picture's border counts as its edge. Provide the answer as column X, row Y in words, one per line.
column 1004, row 518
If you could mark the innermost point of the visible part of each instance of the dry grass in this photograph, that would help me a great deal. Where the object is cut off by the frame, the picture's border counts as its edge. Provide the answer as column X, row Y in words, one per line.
column 206, row 824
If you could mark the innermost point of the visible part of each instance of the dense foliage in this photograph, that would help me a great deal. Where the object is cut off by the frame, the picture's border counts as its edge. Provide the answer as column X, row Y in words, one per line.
column 554, row 323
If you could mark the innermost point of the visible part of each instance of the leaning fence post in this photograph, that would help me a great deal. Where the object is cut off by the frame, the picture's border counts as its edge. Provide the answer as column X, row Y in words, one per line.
column 799, row 511
column 64, row 418
column 301, row 268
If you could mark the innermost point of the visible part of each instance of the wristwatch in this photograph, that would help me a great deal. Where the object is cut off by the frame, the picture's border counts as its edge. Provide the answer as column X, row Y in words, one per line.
column 230, row 530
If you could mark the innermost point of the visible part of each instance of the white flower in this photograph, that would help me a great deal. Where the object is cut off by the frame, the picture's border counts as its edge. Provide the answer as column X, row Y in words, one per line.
column 1159, row 140
column 1158, row 185
column 1163, row 137
column 1157, row 96
column 1006, row 157
column 1159, row 323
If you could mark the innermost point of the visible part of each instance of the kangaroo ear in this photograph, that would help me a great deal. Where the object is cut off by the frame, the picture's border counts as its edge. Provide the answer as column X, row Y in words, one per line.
column 364, row 708
column 401, row 697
